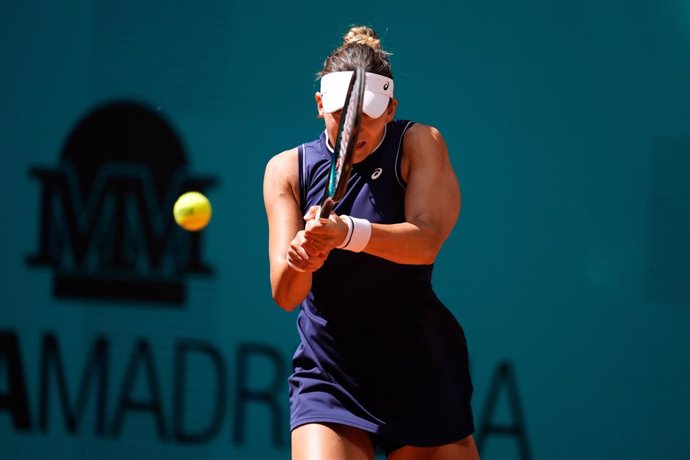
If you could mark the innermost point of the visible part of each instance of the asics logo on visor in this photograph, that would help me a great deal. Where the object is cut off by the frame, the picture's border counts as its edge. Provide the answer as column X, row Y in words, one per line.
column 385, row 87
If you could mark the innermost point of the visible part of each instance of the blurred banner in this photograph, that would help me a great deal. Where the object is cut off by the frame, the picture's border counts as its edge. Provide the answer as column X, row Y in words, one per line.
column 123, row 336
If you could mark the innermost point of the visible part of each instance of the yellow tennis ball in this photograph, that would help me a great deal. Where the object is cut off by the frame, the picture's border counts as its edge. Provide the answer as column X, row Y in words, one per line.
column 192, row 211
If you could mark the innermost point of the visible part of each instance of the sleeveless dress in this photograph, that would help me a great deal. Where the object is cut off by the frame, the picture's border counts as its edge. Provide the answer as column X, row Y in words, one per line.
column 378, row 350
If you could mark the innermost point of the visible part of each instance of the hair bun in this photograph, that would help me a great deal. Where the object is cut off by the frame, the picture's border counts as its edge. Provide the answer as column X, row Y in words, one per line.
column 363, row 35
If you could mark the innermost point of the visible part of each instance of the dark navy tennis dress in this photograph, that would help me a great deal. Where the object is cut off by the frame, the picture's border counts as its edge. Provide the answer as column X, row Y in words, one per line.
column 379, row 351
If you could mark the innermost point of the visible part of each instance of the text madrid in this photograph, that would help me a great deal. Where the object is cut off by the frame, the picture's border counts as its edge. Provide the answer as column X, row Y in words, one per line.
column 257, row 385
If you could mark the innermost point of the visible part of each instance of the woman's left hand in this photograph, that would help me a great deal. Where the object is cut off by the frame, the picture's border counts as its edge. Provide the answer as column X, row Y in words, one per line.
column 324, row 234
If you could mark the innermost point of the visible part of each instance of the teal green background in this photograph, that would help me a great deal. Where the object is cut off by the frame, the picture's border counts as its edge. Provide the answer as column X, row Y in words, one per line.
column 568, row 124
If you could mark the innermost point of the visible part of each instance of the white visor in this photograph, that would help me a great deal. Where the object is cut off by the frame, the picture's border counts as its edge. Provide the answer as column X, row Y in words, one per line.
column 378, row 90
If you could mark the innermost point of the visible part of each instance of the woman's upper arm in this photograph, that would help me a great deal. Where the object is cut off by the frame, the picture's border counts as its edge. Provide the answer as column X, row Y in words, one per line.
column 432, row 199
column 281, row 198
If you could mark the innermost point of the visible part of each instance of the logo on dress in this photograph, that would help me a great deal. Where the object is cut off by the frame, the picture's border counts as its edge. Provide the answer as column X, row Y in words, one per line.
column 377, row 172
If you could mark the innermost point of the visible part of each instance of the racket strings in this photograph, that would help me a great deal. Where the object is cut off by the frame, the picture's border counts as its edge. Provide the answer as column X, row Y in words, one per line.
column 348, row 125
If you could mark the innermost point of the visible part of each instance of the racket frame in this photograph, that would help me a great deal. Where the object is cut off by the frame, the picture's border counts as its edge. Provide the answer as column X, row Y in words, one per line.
column 337, row 180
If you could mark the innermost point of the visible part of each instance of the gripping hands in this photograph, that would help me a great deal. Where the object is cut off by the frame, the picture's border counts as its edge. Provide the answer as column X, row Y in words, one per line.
column 310, row 247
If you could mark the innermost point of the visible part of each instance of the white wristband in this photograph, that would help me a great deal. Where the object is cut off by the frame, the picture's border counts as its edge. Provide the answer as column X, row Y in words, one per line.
column 348, row 236
column 358, row 234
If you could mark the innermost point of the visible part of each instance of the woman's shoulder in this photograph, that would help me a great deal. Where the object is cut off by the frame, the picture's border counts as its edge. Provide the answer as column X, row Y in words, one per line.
column 284, row 156
column 283, row 163
column 423, row 145
column 422, row 132
column 287, row 161
column 420, row 138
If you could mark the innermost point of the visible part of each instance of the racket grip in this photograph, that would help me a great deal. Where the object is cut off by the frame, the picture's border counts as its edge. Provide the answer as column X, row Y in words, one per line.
column 326, row 208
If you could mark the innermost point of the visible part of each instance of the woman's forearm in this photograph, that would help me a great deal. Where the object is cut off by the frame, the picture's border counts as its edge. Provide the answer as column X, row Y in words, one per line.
column 405, row 243
column 289, row 287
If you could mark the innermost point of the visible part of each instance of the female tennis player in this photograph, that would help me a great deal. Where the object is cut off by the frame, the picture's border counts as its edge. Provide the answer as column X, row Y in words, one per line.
column 382, row 363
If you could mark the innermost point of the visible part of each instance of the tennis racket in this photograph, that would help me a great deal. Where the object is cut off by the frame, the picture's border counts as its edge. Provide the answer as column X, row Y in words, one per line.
column 345, row 142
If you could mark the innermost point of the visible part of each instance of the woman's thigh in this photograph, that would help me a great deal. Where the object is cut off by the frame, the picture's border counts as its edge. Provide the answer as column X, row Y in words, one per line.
column 318, row 441
column 464, row 449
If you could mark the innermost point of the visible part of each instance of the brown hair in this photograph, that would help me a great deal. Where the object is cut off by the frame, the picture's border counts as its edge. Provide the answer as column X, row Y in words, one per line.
column 361, row 47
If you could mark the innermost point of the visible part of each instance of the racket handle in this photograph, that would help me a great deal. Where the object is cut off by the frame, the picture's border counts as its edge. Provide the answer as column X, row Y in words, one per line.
column 326, row 208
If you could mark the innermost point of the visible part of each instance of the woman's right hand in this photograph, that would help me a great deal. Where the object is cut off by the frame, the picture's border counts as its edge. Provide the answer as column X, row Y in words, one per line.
column 325, row 234
column 303, row 255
